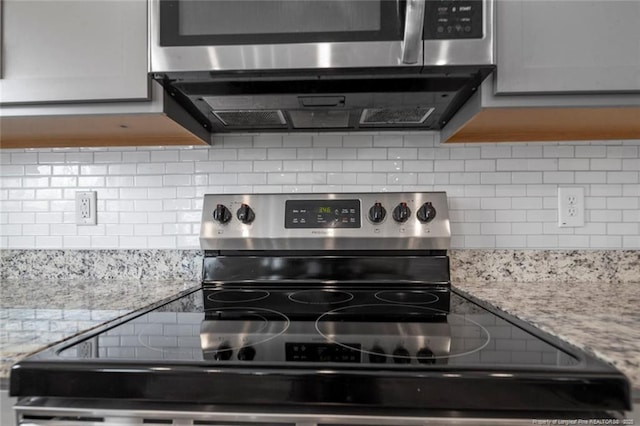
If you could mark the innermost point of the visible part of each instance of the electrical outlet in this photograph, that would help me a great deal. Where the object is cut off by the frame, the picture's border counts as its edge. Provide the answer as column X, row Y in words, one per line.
column 570, row 206
column 86, row 212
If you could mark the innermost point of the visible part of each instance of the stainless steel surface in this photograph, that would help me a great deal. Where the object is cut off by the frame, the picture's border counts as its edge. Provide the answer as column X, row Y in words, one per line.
column 268, row 232
column 413, row 24
column 465, row 51
column 62, row 51
column 7, row 415
column 271, row 345
column 462, row 117
column 115, row 417
column 269, row 56
column 567, row 46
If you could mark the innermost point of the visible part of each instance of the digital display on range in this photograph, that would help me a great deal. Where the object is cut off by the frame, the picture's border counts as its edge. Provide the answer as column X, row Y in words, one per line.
column 322, row 214
column 322, row 352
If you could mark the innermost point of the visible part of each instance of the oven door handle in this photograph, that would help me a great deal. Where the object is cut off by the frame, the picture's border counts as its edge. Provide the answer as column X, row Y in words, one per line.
column 413, row 23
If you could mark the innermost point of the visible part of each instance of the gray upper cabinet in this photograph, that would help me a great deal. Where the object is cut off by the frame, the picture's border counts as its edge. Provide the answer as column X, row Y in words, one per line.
column 568, row 46
column 73, row 51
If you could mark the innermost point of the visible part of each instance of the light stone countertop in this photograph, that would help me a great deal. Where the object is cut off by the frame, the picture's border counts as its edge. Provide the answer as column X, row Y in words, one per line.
column 600, row 318
column 37, row 314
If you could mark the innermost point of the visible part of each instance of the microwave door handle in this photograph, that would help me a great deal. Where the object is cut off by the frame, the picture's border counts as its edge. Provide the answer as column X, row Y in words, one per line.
column 414, row 21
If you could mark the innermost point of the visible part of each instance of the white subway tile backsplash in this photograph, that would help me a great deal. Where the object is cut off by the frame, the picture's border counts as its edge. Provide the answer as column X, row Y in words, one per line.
column 480, row 241
column 341, row 178
column 605, row 241
column 312, row 179
column 558, row 177
column 221, row 154
column 449, row 166
column 622, row 203
column 281, row 154
column 622, row 177
column 239, row 141
column 631, row 164
column 342, row 153
column 500, row 195
column 495, row 151
column 388, row 141
column 281, row 178
column 591, row 151
column 527, row 151
column 358, row 141
column 326, row 141
column 462, row 178
column 605, row 164
column 98, row 157
column 558, row 151
column 631, row 190
column 573, row 164
column 26, row 158
column 195, row 154
column 267, row 141
column 51, row 158
column 542, row 241
column 297, row 141
column 495, row 178
column 402, row 153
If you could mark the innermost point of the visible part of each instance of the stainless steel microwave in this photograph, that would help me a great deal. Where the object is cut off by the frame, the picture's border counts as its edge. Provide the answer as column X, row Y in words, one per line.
column 323, row 65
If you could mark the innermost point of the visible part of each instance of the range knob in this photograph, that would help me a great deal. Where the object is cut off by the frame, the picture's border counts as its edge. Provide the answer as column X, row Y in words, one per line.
column 246, row 353
column 245, row 214
column 221, row 214
column 426, row 212
column 377, row 355
column 223, row 353
column 426, row 356
column 401, row 355
column 377, row 213
column 401, row 213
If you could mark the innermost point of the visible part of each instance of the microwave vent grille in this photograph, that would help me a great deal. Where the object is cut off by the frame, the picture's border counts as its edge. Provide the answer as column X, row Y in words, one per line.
column 251, row 118
column 395, row 115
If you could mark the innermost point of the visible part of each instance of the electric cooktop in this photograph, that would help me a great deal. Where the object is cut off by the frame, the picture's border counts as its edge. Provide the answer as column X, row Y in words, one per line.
column 265, row 343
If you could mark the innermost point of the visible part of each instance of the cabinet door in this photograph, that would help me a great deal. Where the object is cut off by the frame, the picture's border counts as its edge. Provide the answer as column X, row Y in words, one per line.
column 69, row 50
column 568, row 46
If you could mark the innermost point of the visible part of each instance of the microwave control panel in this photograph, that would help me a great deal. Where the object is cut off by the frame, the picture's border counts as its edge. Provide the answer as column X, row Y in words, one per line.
column 453, row 19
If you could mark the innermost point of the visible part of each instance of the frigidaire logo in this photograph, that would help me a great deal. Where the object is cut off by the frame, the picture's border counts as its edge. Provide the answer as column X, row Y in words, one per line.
column 319, row 232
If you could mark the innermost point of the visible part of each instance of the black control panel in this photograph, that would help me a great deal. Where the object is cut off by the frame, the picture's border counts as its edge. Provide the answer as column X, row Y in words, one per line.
column 322, row 352
column 453, row 19
column 322, row 214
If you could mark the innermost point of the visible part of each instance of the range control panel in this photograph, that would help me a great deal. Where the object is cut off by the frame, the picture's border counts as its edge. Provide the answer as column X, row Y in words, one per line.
column 340, row 221
column 322, row 214
column 453, row 19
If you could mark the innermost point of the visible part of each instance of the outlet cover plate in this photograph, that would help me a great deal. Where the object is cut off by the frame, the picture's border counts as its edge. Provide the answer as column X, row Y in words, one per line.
column 86, row 211
column 570, row 206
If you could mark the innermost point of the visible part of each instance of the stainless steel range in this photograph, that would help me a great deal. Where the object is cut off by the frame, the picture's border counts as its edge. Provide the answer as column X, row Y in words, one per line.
column 318, row 309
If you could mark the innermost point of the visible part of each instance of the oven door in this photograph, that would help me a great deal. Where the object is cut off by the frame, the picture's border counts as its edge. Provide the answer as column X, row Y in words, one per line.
column 211, row 35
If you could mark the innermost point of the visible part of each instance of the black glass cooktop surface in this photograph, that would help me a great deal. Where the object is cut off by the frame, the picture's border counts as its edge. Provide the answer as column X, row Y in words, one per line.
column 275, row 326
column 286, row 345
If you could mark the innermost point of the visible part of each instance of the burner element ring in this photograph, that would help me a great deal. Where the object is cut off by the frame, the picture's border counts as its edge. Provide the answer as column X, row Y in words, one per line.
column 407, row 297
column 238, row 296
column 320, row 297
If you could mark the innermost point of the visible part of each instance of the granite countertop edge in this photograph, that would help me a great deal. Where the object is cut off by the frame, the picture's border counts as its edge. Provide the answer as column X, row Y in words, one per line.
column 580, row 314
column 136, row 296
